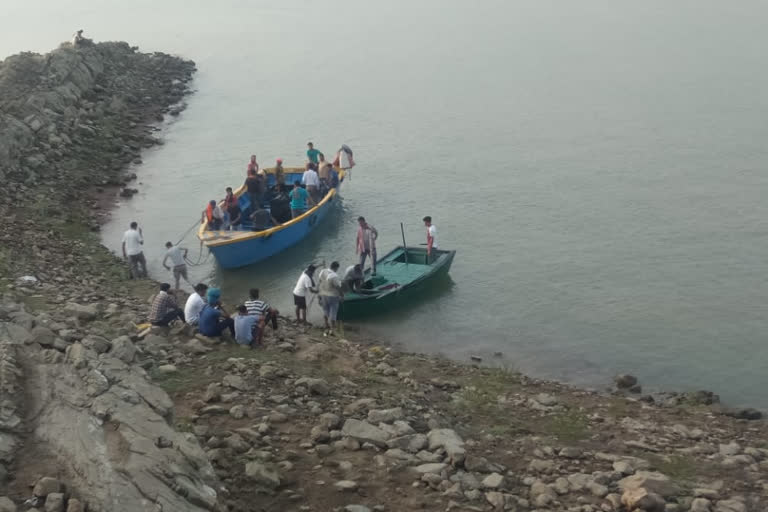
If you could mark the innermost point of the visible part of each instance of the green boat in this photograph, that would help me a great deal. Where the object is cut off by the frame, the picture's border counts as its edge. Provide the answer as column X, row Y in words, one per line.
column 402, row 273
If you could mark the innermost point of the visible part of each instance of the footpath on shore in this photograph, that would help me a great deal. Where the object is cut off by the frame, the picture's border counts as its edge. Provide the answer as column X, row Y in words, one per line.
column 95, row 415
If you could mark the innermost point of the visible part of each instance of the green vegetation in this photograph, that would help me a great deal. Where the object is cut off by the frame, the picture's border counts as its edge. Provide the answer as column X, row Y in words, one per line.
column 678, row 467
column 569, row 426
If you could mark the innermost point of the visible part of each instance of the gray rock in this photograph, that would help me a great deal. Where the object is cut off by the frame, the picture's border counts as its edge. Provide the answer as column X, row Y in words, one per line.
column 599, row 490
column 493, row 481
column 359, row 405
column 730, row 506
column 642, row 499
column 96, row 383
column 411, row 443
column 96, row 343
column 701, row 505
column 237, row 412
column 450, row 441
column 45, row 486
column 82, row 311
column 385, row 415
column 235, row 382
column 625, row 381
column 571, row 452
column 54, row 502
column 434, row 467
column 364, row 432
column 330, row 421
column 6, row 505
column 356, row 508
column 123, row 349
column 496, row 500
column 346, row 485
column 75, row 505
column 654, row 482
column 315, row 386
column 43, row 335
column 262, row 474
column 731, row 448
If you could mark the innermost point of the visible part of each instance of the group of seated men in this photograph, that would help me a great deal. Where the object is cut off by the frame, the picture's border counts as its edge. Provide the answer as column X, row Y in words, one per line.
column 204, row 310
column 283, row 204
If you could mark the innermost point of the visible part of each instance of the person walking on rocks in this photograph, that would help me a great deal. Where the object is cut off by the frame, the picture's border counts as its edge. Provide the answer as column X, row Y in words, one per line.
column 366, row 242
column 133, row 239
column 304, row 287
column 177, row 258
column 164, row 307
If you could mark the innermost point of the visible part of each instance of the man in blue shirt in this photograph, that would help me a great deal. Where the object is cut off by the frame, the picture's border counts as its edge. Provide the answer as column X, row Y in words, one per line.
column 213, row 319
column 312, row 153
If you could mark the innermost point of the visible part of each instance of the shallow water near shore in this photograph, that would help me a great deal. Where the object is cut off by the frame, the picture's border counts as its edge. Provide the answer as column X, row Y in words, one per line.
column 600, row 169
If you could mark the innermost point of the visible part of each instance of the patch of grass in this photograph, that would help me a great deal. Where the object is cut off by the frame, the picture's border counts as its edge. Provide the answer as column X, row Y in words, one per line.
column 183, row 380
column 677, row 467
column 570, row 426
column 184, row 424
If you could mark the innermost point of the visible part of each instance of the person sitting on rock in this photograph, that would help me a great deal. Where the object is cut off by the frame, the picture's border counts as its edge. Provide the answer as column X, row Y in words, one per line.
column 260, row 307
column 164, row 308
column 213, row 319
column 248, row 328
column 195, row 304
column 78, row 39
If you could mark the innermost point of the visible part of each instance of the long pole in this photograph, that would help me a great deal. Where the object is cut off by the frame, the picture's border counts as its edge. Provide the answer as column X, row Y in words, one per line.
column 405, row 247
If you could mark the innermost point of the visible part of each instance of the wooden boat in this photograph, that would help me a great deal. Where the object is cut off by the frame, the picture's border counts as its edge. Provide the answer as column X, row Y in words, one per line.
column 233, row 249
column 400, row 274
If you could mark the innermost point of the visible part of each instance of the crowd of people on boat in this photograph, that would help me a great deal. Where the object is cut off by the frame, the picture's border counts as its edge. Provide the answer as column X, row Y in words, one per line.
column 271, row 203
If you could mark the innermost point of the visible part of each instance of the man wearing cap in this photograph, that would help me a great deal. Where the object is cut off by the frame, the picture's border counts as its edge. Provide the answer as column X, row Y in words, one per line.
column 213, row 319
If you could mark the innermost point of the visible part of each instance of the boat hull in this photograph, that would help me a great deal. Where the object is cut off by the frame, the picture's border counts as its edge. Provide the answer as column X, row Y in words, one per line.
column 356, row 307
column 246, row 252
column 235, row 249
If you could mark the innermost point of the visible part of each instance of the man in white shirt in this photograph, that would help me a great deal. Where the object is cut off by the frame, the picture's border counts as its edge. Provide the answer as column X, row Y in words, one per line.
column 177, row 259
column 431, row 237
column 312, row 181
column 304, row 286
column 195, row 304
column 133, row 239
column 330, row 291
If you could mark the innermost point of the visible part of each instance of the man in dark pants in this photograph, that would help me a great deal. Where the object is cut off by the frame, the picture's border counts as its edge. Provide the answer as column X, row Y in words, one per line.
column 164, row 307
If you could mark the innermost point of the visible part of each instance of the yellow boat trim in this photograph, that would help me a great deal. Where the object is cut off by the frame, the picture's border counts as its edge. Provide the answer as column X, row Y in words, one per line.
column 221, row 237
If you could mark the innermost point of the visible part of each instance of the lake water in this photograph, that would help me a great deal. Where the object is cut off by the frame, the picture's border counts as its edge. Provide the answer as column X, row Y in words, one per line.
column 599, row 166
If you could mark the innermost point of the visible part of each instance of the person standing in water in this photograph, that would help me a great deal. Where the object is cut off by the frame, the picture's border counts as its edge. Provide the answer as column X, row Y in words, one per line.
column 177, row 256
column 431, row 237
column 133, row 239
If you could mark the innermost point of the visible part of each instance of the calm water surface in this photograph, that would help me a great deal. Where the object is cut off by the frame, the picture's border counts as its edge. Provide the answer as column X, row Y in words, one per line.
column 600, row 166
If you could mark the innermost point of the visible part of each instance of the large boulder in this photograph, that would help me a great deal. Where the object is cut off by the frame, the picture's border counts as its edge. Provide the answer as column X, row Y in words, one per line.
column 450, row 441
column 652, row 481
column 98, row 344
column 642, row 499
column 364, row 432
column 123, row 349
column 82, row 311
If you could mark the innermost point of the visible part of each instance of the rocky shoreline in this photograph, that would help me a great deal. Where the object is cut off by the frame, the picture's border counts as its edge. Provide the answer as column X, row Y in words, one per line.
column 95, row 415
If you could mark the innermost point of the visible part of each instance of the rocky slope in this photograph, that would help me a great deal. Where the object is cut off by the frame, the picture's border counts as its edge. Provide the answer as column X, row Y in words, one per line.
column 96, row 415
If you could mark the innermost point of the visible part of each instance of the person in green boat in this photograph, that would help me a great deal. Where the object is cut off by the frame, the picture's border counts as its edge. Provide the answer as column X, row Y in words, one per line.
column 313, row 154
column 353, row 278
column 366, row 242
